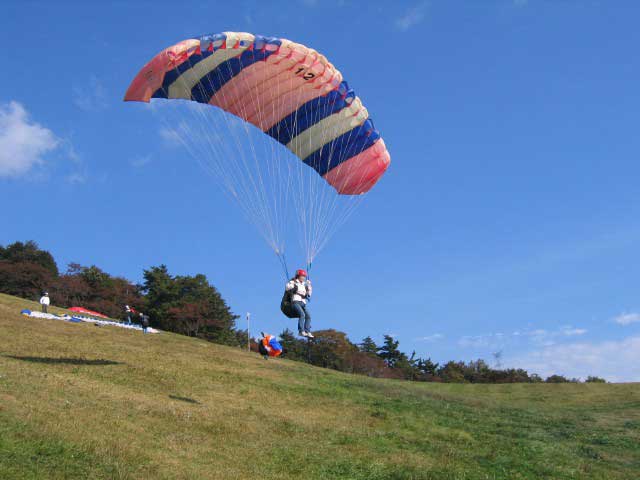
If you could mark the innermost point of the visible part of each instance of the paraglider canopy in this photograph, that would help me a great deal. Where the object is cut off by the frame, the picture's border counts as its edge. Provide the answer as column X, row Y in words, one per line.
column 87, row 312
column 292, row 95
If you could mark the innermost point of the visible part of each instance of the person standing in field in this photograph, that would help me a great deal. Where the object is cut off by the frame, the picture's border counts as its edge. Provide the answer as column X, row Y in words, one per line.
column 144, row 322
column 44, row 302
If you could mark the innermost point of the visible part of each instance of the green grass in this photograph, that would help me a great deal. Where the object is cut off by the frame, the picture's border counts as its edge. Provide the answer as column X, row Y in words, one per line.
column 78, row 401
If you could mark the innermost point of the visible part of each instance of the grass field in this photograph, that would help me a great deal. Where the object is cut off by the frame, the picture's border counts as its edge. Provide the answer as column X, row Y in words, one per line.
column 82, row 402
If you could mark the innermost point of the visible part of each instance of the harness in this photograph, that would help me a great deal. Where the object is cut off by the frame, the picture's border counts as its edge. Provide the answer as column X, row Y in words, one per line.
column 286, row 305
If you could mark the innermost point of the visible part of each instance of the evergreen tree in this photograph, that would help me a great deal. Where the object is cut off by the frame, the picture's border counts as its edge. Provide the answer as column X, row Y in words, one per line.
column 188, row 305
column 293, row 348
column 29, row 252
column 427, row 367
column 368, row 346
column 390, row 353
column 26, row 270
column 591, row 379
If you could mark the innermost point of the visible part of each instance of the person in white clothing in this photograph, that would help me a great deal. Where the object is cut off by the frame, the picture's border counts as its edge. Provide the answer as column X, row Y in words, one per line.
column 299, row 288
column 44, row 302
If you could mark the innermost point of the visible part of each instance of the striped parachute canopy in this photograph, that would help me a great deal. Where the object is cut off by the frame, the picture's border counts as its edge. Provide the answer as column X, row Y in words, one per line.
column 296, row 97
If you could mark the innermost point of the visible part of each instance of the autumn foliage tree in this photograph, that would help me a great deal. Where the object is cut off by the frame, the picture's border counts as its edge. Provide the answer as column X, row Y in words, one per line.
column 26, row 270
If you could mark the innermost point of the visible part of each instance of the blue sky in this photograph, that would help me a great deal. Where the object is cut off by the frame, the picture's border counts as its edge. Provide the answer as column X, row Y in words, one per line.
column 508, row 220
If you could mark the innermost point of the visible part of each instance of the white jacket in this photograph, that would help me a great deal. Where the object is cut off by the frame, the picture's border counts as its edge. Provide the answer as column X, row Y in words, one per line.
column 301, row 290
column 45, row 300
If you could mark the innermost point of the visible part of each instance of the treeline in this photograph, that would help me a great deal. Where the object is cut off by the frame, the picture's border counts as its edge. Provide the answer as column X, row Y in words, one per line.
column 332, row 349
column 190, row 305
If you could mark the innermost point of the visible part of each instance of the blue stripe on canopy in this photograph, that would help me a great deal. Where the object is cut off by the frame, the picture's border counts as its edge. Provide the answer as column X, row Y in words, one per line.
column 311, row 113
column 343, row 148
column 216, row 78
column 172, row 75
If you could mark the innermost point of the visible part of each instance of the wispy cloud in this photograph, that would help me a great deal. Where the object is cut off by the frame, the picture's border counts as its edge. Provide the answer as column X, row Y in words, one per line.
column 170, row 137
column 627, row 318
column 23, row 143
column 412, row 17
column 91, row 97
column 520, row 3
column 79, row 173
column 617, row 361
column 537, row 337
column 572, row 332
column 430, row 338
column 141, row 161
column 482, row 341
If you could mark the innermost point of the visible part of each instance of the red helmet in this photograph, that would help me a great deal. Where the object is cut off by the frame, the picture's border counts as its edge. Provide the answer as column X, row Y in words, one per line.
column 301, row 273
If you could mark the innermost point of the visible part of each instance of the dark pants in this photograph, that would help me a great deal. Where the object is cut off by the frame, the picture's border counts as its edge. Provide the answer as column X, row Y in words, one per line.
column 304, row 316
column 44, row 308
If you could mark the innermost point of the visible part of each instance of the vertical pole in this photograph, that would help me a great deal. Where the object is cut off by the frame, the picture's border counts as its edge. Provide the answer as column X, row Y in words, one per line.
column 248, row 333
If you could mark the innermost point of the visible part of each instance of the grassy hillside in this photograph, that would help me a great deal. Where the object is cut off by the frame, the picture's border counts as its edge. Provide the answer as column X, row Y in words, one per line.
column 79, row 401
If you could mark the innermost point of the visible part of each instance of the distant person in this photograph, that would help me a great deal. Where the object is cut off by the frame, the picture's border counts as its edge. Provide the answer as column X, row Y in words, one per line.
column 144, row 322
column 128, row 311
column 299, row 291
column 44, row 302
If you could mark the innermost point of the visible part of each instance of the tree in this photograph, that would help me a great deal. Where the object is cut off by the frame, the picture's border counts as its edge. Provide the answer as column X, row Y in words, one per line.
column 535, row 378
column 29, row 252
column 476, row 371
column 26, row 270
column 427, row 369
column 292, row 347
column 371, row 365
column 452, row 372
column 368, row 346
column 23, row 279
column 160, row 292
column 591, row 379
column 390, row 353
column 92, row 288
column 557, row 379
column 188, row 305
column 332, row 349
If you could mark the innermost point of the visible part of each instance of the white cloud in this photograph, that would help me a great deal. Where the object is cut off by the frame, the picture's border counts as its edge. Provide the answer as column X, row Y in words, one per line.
column 140, row 161
column 538, row 337
column 171, row 137
column 79, row 172
column 616, row 361
column 627, row 318
column 23, row 143
column 92, row 97
column 568, row 331
column 412, row 17
column 430, row 338
column 481, row 341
